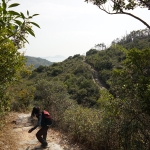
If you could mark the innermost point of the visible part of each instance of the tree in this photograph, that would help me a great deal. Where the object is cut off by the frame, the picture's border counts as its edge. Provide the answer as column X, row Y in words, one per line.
column 91, row 51
column 14, row 27
column 131, row 85
column 122, row 7
column 100, row 46
column 133, row 81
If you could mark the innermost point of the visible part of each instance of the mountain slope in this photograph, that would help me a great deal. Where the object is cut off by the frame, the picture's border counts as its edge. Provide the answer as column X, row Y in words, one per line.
column 37, row 61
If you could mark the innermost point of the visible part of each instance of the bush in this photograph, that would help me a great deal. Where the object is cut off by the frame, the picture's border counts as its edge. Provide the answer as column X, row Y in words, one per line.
column 22, row 99
column 85, row 125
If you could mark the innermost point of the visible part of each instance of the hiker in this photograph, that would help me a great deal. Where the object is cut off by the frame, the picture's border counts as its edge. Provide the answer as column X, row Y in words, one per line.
column 42, row 133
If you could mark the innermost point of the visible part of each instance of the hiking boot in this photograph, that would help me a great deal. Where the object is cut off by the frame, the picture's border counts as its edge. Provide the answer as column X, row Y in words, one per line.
column 44, row 145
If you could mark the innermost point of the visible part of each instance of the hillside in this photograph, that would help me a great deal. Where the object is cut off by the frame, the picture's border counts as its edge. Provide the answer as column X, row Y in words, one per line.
column 36, row 61
column 75, row 75
column 106, row 61
column 139, row 39
column 114, row 117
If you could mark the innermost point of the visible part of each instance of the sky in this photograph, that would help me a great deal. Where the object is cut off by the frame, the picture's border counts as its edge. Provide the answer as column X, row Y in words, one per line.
column 70, row 27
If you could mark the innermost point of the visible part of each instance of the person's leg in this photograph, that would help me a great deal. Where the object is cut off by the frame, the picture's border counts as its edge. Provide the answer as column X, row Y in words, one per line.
column 45, row 133
column 40, row 133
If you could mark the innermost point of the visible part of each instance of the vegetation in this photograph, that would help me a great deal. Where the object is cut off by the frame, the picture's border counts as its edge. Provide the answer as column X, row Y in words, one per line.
column 116, row 117
column 112, row 118
column 36, row 61
column 139, row 39
column 14, row 27
column 115, row 121
column 76, row 77
column 105, row 61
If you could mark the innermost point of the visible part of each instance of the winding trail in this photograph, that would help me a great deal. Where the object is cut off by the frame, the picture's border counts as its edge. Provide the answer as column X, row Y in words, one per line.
column 96, row 77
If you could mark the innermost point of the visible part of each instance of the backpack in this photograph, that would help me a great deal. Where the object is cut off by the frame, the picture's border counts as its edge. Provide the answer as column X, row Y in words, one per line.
column 46, row 117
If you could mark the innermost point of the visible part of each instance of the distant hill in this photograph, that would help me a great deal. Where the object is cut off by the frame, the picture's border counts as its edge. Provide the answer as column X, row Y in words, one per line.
column 37, row 61
column 57, row 58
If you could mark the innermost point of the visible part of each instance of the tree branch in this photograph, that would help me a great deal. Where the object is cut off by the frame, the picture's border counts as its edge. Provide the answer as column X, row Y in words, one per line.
column 148, row 26
column 126, row 13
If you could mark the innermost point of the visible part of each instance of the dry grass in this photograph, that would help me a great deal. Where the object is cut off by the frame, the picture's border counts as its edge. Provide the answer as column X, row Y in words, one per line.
column 7, row 137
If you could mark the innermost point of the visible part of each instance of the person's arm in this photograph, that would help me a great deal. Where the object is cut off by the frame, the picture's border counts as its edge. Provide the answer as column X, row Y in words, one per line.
column 38, row 123
column 32, row 114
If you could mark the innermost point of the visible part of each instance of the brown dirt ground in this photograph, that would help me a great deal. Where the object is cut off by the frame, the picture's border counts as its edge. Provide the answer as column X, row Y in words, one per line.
column 17, row 138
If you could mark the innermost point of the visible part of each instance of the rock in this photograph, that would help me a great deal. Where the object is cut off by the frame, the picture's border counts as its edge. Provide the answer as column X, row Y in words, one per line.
column 26, row 128
column 32, row 142
column 20, row 116
column 17, row 129
column 54, row 146
column 23, row 142
column 28, row 124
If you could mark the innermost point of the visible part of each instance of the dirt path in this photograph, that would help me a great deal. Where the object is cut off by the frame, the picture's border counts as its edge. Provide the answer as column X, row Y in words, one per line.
column 28, row 141
column 96, row 77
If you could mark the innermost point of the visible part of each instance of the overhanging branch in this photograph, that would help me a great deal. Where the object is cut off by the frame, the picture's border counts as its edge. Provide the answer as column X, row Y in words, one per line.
column 148, row 26
column 126, row 13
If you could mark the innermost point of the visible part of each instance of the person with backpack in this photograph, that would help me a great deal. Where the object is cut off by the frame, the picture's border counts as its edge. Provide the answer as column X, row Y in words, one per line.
column 44, row 120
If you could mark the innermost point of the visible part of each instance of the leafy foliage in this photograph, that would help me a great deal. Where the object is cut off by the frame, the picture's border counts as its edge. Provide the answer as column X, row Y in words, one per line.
column 14, row 27
column 76, row 76
column 36, row 61
column 131, row 85
column 49, row 95
column 105, row 61
column 21, row 97
column 135, row 78
column 139, row 39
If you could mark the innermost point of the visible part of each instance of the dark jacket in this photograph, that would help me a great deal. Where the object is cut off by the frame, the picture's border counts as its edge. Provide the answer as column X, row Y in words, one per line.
column 41, row 121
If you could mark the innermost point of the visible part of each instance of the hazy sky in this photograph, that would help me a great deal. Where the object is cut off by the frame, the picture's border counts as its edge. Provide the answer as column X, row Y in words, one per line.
column 70, row 27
